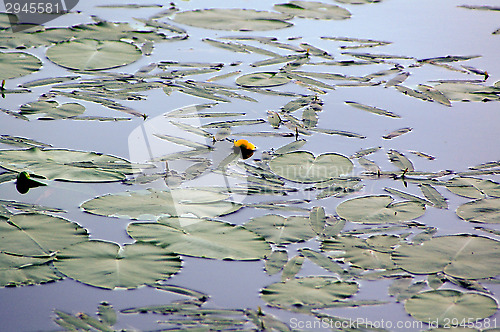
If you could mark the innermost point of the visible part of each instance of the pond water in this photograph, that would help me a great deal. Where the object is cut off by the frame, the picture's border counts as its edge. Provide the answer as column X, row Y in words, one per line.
column 461, row 136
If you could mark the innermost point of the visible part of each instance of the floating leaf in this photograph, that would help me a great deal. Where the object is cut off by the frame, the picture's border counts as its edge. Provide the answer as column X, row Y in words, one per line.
column 201, row 238
column 152, row 204
column 17, row 64
column 106, row 313
column 461, row 256
column 280, row 230
column 322, row 260
column 379, row 209
column 434, row 94
column 407, row 196
column 369, row 165
column 291, row 268
column 434, row 196
column 67, row 165
column 313, row 9
column 398, row 79
column 276, row 261
column 372, row 109
column 365, row 152
column 33, row 234
column 22, row 141
column 481, row 210
column 302, row 166
column 233, row 19
column 397, row 133
column 313, row 292
column 262, row 79
column 90, row 54
column 18, row 270
column 295, row 145
column 473, row 187
column 108, row 265
column 440, row 307
column 400, row 161
column 52, row 110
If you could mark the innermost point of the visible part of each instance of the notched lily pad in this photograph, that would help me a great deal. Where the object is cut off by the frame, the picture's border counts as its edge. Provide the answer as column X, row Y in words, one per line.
column 302, row 166
column 441, row 307
column 202, row 238
column 52, row 110
column 91, row 54
column 108, row 265
column 312, row 292
column 234, row 19
column 379, row 209
column 18, row 270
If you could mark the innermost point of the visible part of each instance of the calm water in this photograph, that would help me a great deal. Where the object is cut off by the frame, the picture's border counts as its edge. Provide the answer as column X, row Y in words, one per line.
column 461, row 136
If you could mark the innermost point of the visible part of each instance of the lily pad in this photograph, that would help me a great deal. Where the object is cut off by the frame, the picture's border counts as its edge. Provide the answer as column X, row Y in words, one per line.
column 152, row 204
column 473, row 188
column 482, row 210
column 313, row 292
column 461, row 256
column 17, row 64
column 108, row 265
column 280, row 230
column 233, row 19
column 262, row 79
column 442, row 307
column 202, row 238
column 302, row 166
column 19, row 270
column 91, row 54
column 66, row 165
column 379, row 209
column 313, row 9
column 52, row 110
column 33, row 234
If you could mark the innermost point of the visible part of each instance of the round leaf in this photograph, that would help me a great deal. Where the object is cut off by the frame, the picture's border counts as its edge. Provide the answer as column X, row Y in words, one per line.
column 444, row 306
column 33, row 234
column 280, row 230
column 379, row 209
column 90, row 54
column 66, row 165
column 261, row 79
column 107, row 265
column 302, row 166
column 17, row 64
column 313, row 9
column 152, row 204
column 482, row 210
column 233, row 19
column 18, row 270
column 315, row 292
column 461, row 256
column 201, row 238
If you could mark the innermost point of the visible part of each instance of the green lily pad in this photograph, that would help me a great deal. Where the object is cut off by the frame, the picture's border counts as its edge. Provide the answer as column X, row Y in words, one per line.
column 52, row 110
column 468, row 91
column 313, row 9
column 233, row 19
column 66, row 165
column 280, row 230
column 262, row 79
column 91, row 54
column 379, row 209
column 33, row 234
column 314, row 292
column 108, row 265
column 19, row 270
column 441, row 307
column 302, row 166
column 473, row 188
column 481, row 210
column 202, row 238
column 17, row 64
column 461, row 256
column 152, row 204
